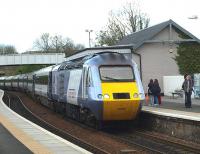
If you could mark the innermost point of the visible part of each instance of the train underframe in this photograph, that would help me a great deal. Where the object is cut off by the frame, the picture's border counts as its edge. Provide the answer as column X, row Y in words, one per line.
column 83, row 115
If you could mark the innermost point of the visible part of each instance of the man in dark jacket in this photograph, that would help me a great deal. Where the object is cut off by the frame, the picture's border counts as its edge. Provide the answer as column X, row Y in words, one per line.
column 188, row 87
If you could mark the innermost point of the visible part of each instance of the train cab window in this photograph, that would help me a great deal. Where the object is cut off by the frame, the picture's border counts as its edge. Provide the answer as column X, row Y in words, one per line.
column 62, row 67
column 116, row 73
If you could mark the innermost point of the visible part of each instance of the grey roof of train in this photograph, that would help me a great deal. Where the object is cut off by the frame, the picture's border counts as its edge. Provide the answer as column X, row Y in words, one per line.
column 108, row 58
column 138, row 38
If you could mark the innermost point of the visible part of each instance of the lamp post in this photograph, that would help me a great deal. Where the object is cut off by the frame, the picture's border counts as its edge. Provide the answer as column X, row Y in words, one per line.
column 89, row 31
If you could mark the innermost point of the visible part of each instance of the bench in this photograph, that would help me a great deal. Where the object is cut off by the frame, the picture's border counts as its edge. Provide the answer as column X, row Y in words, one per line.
column 178, row 93
column 198, row 94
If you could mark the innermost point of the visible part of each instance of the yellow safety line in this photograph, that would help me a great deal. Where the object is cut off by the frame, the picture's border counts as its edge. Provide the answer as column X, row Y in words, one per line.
column 23, row 137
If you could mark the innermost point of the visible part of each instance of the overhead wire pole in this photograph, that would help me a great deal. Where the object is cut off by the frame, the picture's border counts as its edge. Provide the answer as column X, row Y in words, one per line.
column 89, row 31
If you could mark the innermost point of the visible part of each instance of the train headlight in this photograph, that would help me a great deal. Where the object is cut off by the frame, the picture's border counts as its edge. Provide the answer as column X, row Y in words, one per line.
column 135, row 95
column 106, row 96
column 100, row 96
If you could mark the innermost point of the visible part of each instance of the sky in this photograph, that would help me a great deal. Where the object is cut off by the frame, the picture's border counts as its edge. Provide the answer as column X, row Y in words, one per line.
column 23, row 21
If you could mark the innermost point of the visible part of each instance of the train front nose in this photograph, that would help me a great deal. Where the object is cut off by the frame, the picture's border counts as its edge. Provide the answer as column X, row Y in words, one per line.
column 120, row 101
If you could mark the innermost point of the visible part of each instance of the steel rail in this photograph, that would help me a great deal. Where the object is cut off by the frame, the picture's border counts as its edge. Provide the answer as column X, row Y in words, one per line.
column 186, row 147
column 64, row 134
column 128, row 141
column 149, row 149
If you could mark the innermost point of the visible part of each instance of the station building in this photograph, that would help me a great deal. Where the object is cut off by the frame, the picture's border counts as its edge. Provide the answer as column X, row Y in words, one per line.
column 155, row 49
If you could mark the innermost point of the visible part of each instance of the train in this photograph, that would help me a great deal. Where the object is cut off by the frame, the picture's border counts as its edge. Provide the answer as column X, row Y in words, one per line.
column 100, row 87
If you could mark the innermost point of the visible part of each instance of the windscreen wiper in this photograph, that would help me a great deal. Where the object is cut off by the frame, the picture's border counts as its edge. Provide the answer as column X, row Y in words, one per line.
column 106, row 77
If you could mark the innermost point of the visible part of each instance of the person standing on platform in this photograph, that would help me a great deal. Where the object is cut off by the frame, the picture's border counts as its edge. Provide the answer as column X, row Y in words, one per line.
column 150, row 93
column 156, row 91
column 188, row 87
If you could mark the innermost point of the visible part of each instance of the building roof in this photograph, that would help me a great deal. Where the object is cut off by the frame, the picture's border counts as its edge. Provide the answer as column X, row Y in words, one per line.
column 138, row 38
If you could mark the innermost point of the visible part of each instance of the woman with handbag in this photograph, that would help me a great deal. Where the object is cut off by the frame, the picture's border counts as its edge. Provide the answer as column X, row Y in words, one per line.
column 150, row 94
column 156, row 91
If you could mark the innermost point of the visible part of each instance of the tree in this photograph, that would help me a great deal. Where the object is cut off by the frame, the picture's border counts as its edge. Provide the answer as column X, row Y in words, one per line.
column 60, row 44
column 70, row 47
column 43, row 43
column 121, row 23
column 56, row 43
column 188, row 58
column 7, row 49
column 79, row 47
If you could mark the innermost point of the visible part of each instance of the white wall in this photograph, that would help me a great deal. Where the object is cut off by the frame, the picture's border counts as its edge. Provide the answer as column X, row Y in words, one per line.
column 197, row 84
column 156, row 59
column 172, row 83
column 165, row 35
column 157, row 62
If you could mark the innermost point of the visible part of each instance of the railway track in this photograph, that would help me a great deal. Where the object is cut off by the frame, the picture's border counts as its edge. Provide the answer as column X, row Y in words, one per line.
column 143, row 140
column 22, row 110
column 155, row 144
column 179, row 145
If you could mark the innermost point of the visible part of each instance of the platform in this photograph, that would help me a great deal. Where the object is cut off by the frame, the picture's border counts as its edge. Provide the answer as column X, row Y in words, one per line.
column 175, row 107
column 7, row 139
column 18, row 135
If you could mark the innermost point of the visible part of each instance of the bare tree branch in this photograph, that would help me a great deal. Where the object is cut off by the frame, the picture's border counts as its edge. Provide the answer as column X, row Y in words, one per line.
column 7, row 49
column 56, row 43
column 43, row 43
column 121, row 23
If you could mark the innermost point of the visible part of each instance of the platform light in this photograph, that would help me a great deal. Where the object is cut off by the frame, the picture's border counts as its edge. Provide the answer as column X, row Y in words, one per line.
column 89, row 31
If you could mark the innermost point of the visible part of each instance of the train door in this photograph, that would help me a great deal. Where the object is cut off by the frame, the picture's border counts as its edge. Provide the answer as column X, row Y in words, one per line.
column 84, row 91
column 86, row 82
column 4, row 83
column 33, row 86
column 26, row 83
column 49, row 93
column 61, row 85
column 17, row 83
column 11, row 83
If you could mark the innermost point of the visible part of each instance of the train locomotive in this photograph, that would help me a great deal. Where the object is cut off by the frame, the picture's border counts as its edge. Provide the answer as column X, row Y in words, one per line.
column 100, row 87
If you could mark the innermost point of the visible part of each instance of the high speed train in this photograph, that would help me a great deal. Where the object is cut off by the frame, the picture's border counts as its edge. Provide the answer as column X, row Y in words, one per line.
column 102, row 87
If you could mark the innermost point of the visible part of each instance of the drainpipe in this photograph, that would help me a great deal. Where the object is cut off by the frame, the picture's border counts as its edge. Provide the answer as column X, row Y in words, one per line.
column 170, row 32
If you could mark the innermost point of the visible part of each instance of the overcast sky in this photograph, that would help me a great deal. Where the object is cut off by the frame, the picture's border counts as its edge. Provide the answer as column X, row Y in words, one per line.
column 22, row 21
